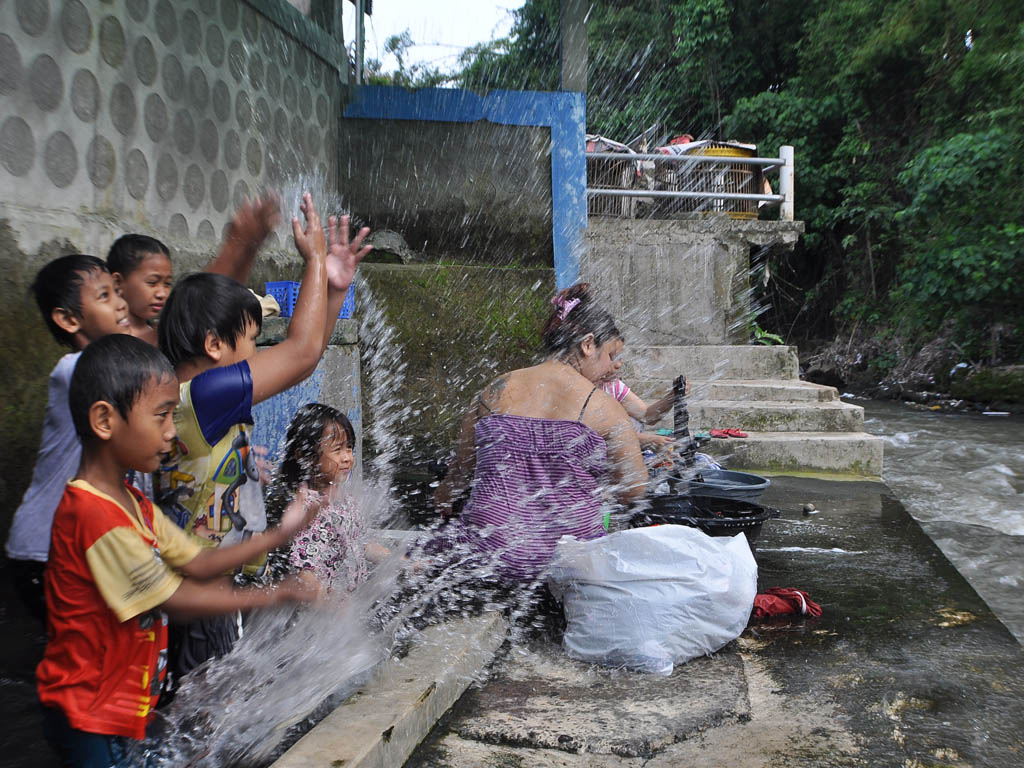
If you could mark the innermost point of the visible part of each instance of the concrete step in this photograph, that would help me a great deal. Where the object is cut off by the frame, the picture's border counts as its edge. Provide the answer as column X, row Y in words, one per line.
column 778, row 390
column 381, row 724
column 776, row 416
column 711, row 362
column 856, row 453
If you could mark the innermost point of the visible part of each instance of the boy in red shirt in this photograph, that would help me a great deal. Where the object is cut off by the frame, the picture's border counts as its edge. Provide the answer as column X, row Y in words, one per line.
column 118, row 566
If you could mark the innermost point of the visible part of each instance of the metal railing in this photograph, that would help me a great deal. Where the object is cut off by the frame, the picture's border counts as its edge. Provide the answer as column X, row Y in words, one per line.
column 685, row 167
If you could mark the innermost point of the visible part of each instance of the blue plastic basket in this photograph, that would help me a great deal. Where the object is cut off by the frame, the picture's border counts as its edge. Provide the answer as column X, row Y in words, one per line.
column 285, row 292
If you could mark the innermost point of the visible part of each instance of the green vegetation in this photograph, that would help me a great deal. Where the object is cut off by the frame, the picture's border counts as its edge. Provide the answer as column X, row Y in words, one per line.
column 907, row 117
column 1004, row 384
column 458, row 327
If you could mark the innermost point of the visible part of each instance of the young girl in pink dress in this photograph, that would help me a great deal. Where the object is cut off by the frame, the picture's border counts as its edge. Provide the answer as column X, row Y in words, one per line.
column 334, row 549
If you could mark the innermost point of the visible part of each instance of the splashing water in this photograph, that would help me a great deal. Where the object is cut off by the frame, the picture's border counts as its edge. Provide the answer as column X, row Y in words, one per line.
column 383, row 374
column 287, row 667
column 293, row 666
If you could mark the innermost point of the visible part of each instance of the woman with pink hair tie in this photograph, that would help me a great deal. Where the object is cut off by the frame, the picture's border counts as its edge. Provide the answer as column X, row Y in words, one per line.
column 543, row 451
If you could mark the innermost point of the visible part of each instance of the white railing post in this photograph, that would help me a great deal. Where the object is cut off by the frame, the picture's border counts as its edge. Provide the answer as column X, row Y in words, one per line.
column 786, row 178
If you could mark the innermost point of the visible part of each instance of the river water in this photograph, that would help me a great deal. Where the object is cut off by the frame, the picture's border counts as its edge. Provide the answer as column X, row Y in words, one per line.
column 961, row 476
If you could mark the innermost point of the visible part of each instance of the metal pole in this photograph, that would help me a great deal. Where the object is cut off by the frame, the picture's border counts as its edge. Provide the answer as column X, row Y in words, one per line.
column 786, row 179
column 596, row 192
column 766, row 162
column 360, row 38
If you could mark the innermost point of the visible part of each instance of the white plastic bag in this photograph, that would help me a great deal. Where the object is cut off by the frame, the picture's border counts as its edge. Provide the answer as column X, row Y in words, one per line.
column 650, row 598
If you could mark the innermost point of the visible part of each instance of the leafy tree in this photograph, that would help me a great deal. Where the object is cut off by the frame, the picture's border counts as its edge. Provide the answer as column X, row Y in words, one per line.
column 907, row 117
column 407, row 75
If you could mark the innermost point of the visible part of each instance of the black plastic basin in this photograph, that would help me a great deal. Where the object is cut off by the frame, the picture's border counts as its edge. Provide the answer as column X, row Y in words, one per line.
column 716, row 516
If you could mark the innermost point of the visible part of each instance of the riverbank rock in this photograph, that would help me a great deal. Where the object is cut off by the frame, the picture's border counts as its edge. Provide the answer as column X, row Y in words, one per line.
column 1003, row 384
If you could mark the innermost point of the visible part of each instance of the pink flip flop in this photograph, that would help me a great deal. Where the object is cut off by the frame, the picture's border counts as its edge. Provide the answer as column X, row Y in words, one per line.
column 720, row 433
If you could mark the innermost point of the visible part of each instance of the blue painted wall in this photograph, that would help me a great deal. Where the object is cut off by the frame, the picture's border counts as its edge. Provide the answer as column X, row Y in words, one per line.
column 335, row 382
column 564, row 113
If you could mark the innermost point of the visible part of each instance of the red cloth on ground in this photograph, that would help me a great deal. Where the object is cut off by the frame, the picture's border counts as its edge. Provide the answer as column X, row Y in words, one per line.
column 784, row 601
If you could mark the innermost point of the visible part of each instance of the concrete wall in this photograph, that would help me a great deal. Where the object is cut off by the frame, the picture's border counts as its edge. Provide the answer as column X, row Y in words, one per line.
column 478, row 190
column 145, row 116
column 678, row 282
column 157, row 116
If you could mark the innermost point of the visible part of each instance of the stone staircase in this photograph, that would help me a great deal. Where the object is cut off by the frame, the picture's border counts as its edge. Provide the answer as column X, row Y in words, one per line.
column 792, row 425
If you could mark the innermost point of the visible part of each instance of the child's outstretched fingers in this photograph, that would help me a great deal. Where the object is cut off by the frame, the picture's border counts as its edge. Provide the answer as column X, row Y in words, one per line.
column 309, row 239
column 256, row 218
column 343, row 257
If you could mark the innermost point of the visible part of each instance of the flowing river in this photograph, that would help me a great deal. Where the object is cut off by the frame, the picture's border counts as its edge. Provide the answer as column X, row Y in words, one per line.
column 962, row 477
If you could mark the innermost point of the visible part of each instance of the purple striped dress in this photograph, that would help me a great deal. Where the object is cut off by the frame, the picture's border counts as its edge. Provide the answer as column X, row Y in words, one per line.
column 536, row 480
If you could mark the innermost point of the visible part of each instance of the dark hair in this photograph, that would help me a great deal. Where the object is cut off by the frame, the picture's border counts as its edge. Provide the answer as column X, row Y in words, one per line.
column 128, row 251
column 203, row 303
column 114, row 369
column 59, row 285
column 302, row 444
column 565, row 329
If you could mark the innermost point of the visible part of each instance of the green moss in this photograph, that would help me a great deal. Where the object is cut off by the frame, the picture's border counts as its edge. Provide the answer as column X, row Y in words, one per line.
column 1004, row 385
column 459, row 327
column 28, row 355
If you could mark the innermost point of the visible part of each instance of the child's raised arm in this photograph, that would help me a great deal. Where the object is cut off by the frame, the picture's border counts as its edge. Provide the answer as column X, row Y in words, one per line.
column 646, row 414
column 213, row 562
column 284, row 365
column 252, row 223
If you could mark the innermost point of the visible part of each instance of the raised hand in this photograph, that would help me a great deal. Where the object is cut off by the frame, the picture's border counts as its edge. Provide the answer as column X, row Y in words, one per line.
column 255, row 219
column 343, row 256
column 309, row 240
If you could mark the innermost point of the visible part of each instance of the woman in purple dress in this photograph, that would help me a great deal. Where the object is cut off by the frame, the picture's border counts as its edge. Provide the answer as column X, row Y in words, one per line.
column 544, row 452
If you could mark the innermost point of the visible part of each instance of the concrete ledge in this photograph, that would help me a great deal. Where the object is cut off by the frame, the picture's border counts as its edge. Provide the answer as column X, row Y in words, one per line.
column 851, row 453
column 275, row 330
column 766, row 389
column 381, row 724
column 711, row 362
column 768, row 416
column 775, row 390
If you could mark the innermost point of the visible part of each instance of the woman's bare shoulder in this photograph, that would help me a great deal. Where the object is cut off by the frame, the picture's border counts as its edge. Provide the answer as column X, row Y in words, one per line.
column 605, row 415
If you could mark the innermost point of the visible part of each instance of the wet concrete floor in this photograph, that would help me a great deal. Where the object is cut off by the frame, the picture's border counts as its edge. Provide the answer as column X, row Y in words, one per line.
column 907, row 667
column 22, row 641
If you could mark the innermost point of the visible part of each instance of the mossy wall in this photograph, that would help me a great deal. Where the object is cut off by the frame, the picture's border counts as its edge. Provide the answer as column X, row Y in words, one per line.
column 459, row 326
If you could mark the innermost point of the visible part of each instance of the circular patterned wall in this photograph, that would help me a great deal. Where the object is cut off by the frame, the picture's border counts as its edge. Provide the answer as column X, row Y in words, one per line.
column 174, row 109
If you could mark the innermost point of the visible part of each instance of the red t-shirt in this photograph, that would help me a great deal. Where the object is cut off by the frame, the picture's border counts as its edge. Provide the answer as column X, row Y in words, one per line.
column 108, row 572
